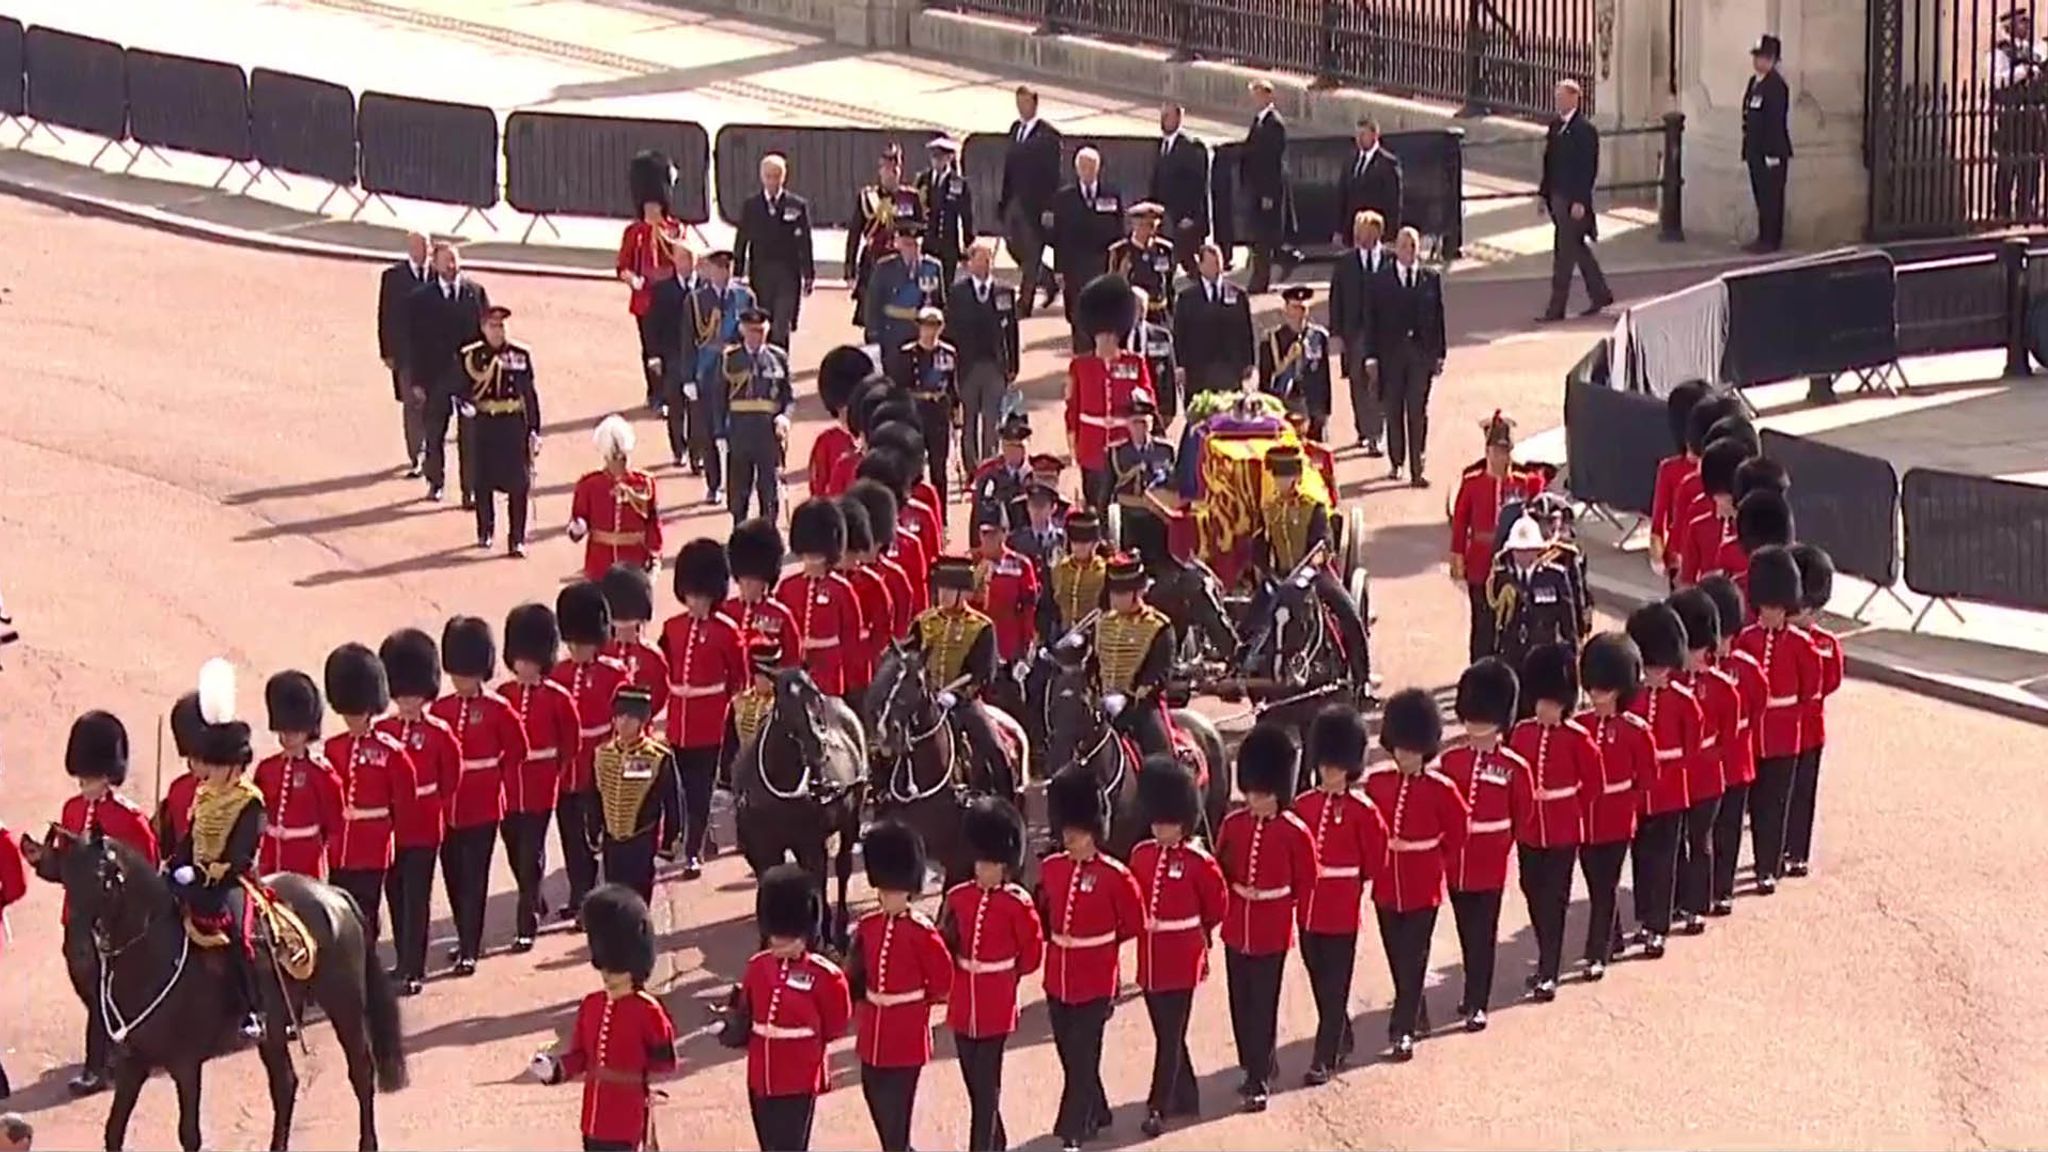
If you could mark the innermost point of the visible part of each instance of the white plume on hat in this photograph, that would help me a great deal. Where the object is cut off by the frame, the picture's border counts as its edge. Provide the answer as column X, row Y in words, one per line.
column 614, row 436
column 1524, row 535
column 217, row 692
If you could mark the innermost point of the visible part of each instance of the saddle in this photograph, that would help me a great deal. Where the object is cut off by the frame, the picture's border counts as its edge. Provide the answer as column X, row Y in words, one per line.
column 291, row 943
column 1185, row 750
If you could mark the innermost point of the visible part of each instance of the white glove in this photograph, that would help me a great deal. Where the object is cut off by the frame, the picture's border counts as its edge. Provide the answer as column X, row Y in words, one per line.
column 1021, row 671
column 1114, row 703
column 654, row 363
column 579, row 528
column 545, row 1067
column 184, row 875
column 690, row 390
column 466, row 411
column 1304, row 579
column 1071, row 641
column 782, row 424
column 637, row 281
column 948, row 699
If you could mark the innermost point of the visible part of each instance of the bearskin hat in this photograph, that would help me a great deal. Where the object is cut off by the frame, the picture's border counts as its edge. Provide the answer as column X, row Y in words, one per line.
column 818, row 528
column 839, row 373
column 862, row 406
column 786, row 903
column 652, row 179
column 860, row 532
column 755, row 551
column 1487, row 692
column 293, row 702
column 1718, row 465
column 1763, row 518
column 1268, row 761
column 1729, row 603
column 531, row 633
column 1337, row 739
column 1816, row 575
column 629, row 592
column 98, row 748
column 994, row 831
column 1411, row 722
column 1774, row 579
column 467, row 647
column 1167, row 793
column 902, row 438
column 186, row 726
column 1679, row 405
column 620, row 932
column 1700, row 618
column 355, row 682
column 897, row 411
column 1611, row 662
column 1761, row 474
column 1739, row 429
column 582, row 614
column 1106, row 305
column 225, row 738
column 880, row 504
column 1704, row 416
column 888, row 468
column 412, row 663
column 1659, row 635
column 1551, row 672
column 1073, row 801
column 893, row 854
column 702, row 570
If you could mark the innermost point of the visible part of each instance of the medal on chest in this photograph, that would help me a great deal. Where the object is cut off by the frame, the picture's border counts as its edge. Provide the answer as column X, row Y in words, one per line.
column 799, row 980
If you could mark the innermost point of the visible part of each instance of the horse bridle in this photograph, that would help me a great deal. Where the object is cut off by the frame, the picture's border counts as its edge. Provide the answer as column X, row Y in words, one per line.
column 803, row 780
column 1108, row 734
column 906, row 763
column 119, row 1027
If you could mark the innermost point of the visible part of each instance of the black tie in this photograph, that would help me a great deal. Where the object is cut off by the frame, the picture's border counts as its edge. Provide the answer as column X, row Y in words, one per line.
column 1088, row 193
column 1362, row 158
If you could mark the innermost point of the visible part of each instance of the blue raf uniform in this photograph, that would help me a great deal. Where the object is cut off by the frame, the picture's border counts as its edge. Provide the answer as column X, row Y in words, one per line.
column 712, row 325
column 897, row 291
column 757, row 396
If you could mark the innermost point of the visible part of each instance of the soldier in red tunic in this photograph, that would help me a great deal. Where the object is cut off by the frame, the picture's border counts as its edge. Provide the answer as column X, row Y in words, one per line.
column 301, row 795
column 1720, row 711
column 1676, row 728
column 841, row 371
column 754, row 554
column 614, row 512
column 1182, row 887
column 630, row 593
column 1792, row 671
column 790, row 1003
column 1706, row 544
column 1738, row 757
column 622, row 1037
column 1611, row 670
column 1483, row 492
column 707, row 665
column 1090, row 905
column 646, row 260
column 1351, row 850
column 584, row 619
column 412, row 666
column 1673, row 469
column 547, row 710
column 1478, row 868
column 1817, row 587
column 1100, row 383
column 173, row 819
column 376, row 778
column 1426, row 820
column 13, row 886
column 1551, row 800
column 493, row 745
column 993, row 930
column 905, row 600
column 918, row 505
column 828, row 621
column 1006, row 588
column 900, row 968
column 889, row 470
column 869, row 591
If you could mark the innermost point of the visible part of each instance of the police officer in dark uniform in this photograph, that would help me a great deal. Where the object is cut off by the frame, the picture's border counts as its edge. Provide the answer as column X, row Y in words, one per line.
column 1139, row 468
column 1294, row 361
column 900, row 285
column 1767, row 142
column 506, row 413
column 1535, row 598
column 948, row 205
column 758, row 397
column 2019, row 91
column 929, row 368
column 884, row 204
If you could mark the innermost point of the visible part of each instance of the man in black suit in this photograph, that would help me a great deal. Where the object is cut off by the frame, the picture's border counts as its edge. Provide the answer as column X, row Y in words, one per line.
column 1212, row 328
column 1087, row 217
column 394, row 288
column 1354, row 288
column 1263, row 173
column 1372, row 183
column 981, row 324
column 1031, row 176
column 446, row 315
column 1408, row 343
column 1180, row 184
column 1571, row 164
column 773, row 249
column 1767, row 142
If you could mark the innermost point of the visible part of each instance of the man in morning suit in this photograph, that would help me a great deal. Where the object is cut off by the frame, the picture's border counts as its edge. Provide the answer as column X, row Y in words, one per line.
column 772, row 249
column 1031, row 175
column 1180, row 184
column 1408, row 345
column 1571, row 163
column 446, row 315
column 394, row 288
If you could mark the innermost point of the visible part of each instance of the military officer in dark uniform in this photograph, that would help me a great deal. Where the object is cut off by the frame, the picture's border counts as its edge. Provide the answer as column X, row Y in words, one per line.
column 900, row 285
column 1154, row 341
column 1039, row 535
column 1767, row 142
column 1145, row 259
column 1264, row 176
column 958, row 643
column 884, row 204
column 755, row 377
column 929, row 368
column 640, row 793
column 1139, row 469
column 1001, row 480
column 1553, row 513
column 948, row 205
column 1294, row 361
column 506, row 411
column 1133, row 657
column 1293, row 525
column 1535, row 597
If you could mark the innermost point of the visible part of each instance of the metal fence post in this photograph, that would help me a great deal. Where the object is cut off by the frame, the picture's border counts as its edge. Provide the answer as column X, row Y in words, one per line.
column 1671, row 197
column 1049, row 18
column 1327, row 68
column 2012, row 258
column 1181, row 27
column 1452, row 244
column 1474, row 106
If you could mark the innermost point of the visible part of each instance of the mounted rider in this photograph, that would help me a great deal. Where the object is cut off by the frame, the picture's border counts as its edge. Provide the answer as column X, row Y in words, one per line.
column 1133, row 655
column 958, row 643
column 1006, row 589
column 1140, row 469
column 1294, row 529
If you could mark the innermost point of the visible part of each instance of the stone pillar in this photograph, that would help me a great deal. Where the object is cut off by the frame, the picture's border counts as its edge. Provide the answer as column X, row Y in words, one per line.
column 1631, row 84
column 1828, row 192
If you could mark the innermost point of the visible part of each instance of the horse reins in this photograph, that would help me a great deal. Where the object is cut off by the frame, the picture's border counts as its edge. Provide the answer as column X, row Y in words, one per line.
column 119, row 1027
column 907, row 763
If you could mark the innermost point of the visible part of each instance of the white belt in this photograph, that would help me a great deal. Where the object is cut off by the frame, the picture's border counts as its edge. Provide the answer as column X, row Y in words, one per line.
column 541, row 753
column 1429, row 845
column 427, row 790
column 303, row 833
column 1553, row 794
column 471, row 765
column 1072, row 942
column 1707, row 742
column 696, row 691
column 986, row 967
column 1259, row 895
column 1616, row 787
column 1480, row 826
column 1097, row 421
column 1781, row 702
column 1345, row 872
column 1670, row 753
column 1742, row 724
column 365, row 813
column 783, row 1032
column 893, row 999
column 815, row 642
column 595, row 730
column 1184, row 924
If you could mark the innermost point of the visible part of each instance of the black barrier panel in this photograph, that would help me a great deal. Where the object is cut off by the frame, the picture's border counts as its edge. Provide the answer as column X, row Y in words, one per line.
column 12, row 93
column 428, row 150
column 1953, row 306
column 1432, row 188
column 827, row 166
column 1613, row 443
column 303, row 126
column 1126, row 166
column 1975, row 538
column 198, row 106
column 76, row 82
column 1844, row 501
column 578, row 164
column 1810, row 318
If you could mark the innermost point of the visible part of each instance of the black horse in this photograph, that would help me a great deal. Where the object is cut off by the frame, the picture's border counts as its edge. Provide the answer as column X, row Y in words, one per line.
column 1192, row 597
column 1080, row 735
column 171, row 1004
column 801, row 782
column 914, row 751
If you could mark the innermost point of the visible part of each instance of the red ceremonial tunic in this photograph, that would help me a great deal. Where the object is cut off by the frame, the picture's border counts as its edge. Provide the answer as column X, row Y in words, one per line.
column 1182, row 887
column 828, row 628
column 707, row 667
column 1792, row 675
column 833, row 445
column 1664, row 507
column 13, row 877
column 998, row 941
column 1480, row 864
column 1832, row 669
column 591, row 685
column 1475, row 515
column 1709, row 547
column 377, row 782
column 767, row 618
column 493, row 745
column 114, row 815
column 845, row 470
column 644, row 249
column 1270, row 864
column 907, row 970
column 1720, row 710
column 1426, row 819
column 795, row 1008
column 877, row 617
column 907, row 553
column 646, row 667
column 547, row 712
column 618, row 1043
column 1091, row 908
column 1350, row 839
column 302, row 813
column 1010, row 598
column 623, row 517
column 1673, row 714
column 1628, row 763
column 1097, row 390
column 1551, row 800
column 1738, row 759
column 922, row 519
column 437, row 770
column 175, row 815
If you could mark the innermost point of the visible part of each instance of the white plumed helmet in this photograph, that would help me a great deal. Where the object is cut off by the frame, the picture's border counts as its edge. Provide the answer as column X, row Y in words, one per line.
column 217, row 692
column 614, row 437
